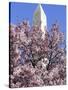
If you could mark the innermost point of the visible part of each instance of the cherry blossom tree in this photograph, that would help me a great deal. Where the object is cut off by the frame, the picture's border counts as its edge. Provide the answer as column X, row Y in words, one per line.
column 35, row 61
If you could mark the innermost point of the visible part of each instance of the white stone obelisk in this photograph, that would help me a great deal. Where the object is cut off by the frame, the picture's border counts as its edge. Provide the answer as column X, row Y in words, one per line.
column 40, row 19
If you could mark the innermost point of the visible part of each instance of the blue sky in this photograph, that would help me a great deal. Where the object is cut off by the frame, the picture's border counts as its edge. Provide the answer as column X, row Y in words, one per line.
column 22, row 11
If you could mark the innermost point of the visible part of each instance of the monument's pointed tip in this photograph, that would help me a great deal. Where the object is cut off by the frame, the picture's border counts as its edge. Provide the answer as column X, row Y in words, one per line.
column 39, row 16
column 40, row 6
